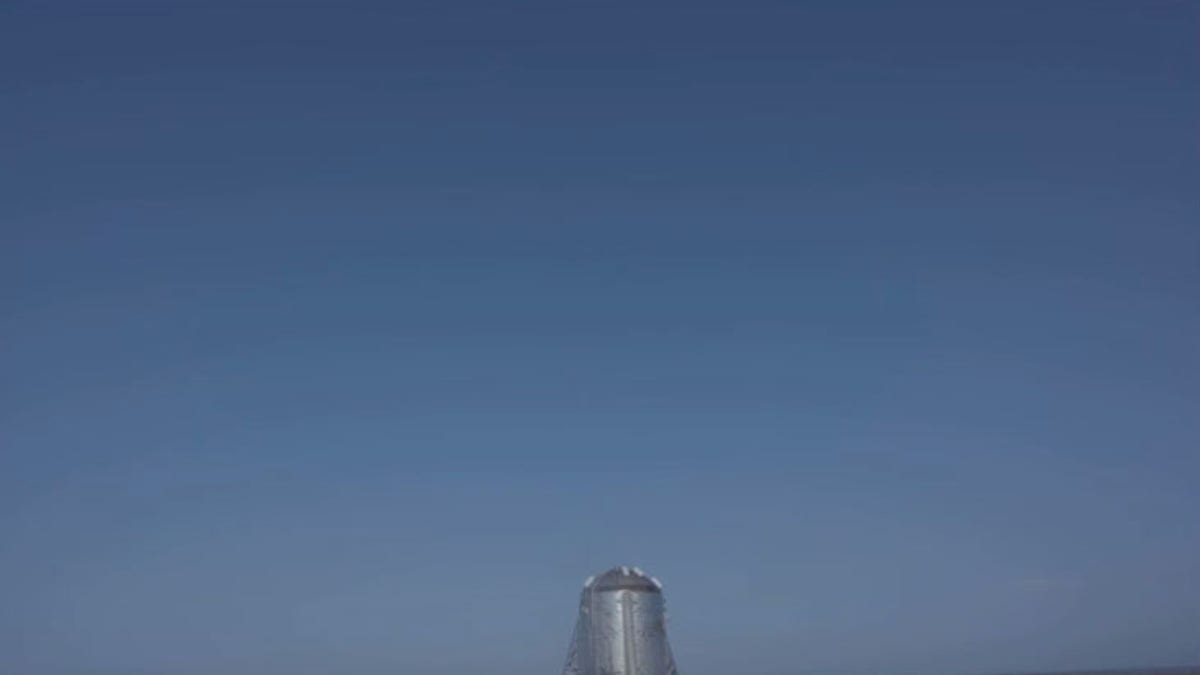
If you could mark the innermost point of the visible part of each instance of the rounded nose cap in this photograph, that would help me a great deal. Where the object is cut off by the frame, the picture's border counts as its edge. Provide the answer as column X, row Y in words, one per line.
column 625, row 579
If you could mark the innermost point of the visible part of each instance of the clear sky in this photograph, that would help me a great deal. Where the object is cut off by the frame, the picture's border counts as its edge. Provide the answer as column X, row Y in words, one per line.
column 352, row 338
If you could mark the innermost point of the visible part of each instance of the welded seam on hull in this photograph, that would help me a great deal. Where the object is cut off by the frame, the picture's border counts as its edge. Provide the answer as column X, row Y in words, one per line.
column 628, row 632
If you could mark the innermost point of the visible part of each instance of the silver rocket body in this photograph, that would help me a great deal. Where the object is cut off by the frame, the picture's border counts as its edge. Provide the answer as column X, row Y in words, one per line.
column 621, row 629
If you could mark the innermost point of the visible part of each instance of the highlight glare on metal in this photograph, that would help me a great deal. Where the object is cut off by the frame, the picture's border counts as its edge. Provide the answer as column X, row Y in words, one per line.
column 621, row 628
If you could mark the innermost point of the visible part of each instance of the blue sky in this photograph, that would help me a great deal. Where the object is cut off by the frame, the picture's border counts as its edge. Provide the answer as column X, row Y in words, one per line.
column 352, row 338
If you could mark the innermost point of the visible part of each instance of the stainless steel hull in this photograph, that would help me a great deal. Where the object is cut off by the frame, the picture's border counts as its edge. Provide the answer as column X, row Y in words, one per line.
column 621, row 629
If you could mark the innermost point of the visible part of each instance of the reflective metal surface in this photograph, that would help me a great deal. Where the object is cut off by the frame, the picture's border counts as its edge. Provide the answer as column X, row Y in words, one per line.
column 621, row 628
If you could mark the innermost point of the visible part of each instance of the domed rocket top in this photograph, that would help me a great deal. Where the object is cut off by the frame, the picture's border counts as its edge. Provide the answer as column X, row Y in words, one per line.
column 621, row 628
column 623, row 579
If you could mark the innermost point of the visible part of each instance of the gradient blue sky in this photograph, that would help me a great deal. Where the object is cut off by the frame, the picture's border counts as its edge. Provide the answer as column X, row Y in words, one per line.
column 352, row 339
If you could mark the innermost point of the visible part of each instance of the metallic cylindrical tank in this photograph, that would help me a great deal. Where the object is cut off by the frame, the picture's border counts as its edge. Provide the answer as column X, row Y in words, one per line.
column 621, row 628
